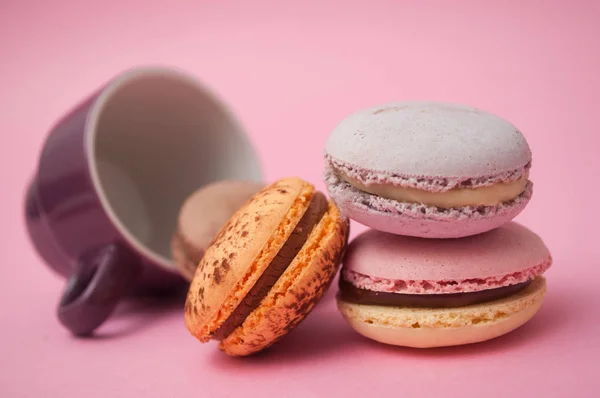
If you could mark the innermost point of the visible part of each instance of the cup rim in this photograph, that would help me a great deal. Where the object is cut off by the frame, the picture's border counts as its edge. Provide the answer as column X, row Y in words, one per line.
column 90, row 131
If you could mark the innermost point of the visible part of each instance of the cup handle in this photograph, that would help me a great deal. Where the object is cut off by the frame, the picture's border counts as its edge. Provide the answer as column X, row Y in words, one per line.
column 100, row 278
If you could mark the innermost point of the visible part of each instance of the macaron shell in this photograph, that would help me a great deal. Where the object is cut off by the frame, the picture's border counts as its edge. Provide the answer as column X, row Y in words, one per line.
column 201, row 217
column 429, row 139
column 241, row 251
column 430, row 327
column 414, row 219
column 297, row 291
column 182, row 253
column 205, row 211
column 509, row 249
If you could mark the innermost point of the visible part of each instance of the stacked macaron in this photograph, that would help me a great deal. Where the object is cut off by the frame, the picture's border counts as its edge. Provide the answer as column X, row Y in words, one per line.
column 439, row 184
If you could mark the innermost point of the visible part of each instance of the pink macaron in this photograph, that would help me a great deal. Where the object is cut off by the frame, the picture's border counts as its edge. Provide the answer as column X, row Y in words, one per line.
column 437, row 292
column 428, row 169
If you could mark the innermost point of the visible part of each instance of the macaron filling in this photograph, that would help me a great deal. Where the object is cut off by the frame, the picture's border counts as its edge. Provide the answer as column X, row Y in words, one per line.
column 356, row 295
column 357, row 288
column 489, row 195
column 314, row 213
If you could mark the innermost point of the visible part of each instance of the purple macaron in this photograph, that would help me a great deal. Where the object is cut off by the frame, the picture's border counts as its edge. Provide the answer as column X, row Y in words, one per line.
column 428, row 169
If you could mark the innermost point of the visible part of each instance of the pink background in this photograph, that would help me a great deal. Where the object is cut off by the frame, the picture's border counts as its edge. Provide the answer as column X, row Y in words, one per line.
column 291, row 73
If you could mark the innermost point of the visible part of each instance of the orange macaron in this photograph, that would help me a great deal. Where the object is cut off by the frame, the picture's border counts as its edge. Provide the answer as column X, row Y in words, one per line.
column 267, row 268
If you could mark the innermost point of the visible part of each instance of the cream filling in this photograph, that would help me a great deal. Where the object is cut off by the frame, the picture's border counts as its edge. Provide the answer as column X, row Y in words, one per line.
column 491, row 195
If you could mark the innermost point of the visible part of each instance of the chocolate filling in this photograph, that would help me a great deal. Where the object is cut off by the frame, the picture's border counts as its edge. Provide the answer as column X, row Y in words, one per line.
column 353, row 294
column 316, row 210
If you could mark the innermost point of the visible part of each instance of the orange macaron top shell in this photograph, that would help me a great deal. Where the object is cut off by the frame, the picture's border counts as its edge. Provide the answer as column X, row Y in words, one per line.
column 267, row 267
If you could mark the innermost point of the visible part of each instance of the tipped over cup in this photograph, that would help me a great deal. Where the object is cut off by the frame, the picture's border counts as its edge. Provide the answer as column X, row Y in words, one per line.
column 113, row 172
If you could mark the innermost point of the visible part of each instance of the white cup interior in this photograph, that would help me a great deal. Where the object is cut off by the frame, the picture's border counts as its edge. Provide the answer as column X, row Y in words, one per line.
column 155, row 137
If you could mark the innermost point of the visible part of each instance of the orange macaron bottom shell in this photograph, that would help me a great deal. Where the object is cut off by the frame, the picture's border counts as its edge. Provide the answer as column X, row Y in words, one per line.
column 249, row 289
column 290, row 249
column 298, row 290
column 441, row 327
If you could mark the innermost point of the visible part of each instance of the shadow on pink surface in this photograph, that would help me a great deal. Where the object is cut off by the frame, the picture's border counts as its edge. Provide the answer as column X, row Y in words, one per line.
column 324, row 333
column 136, row 314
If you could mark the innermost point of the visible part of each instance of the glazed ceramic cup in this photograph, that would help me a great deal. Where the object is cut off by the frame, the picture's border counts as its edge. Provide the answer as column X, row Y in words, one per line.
column 112, row 174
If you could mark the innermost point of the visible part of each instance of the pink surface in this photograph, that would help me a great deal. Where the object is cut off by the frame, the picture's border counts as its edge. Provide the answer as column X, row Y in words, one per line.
column 416, row 219
column 391, row 263
column 404, row 143
column 292, row 74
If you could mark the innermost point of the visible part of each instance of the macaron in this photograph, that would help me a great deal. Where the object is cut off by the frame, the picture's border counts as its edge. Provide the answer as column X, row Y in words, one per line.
column 428, row 169
column 413, row 292
column 267, row 268
column 202, row 215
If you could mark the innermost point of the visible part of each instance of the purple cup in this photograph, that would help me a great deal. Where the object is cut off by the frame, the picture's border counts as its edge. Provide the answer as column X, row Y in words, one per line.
column 103, row 203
